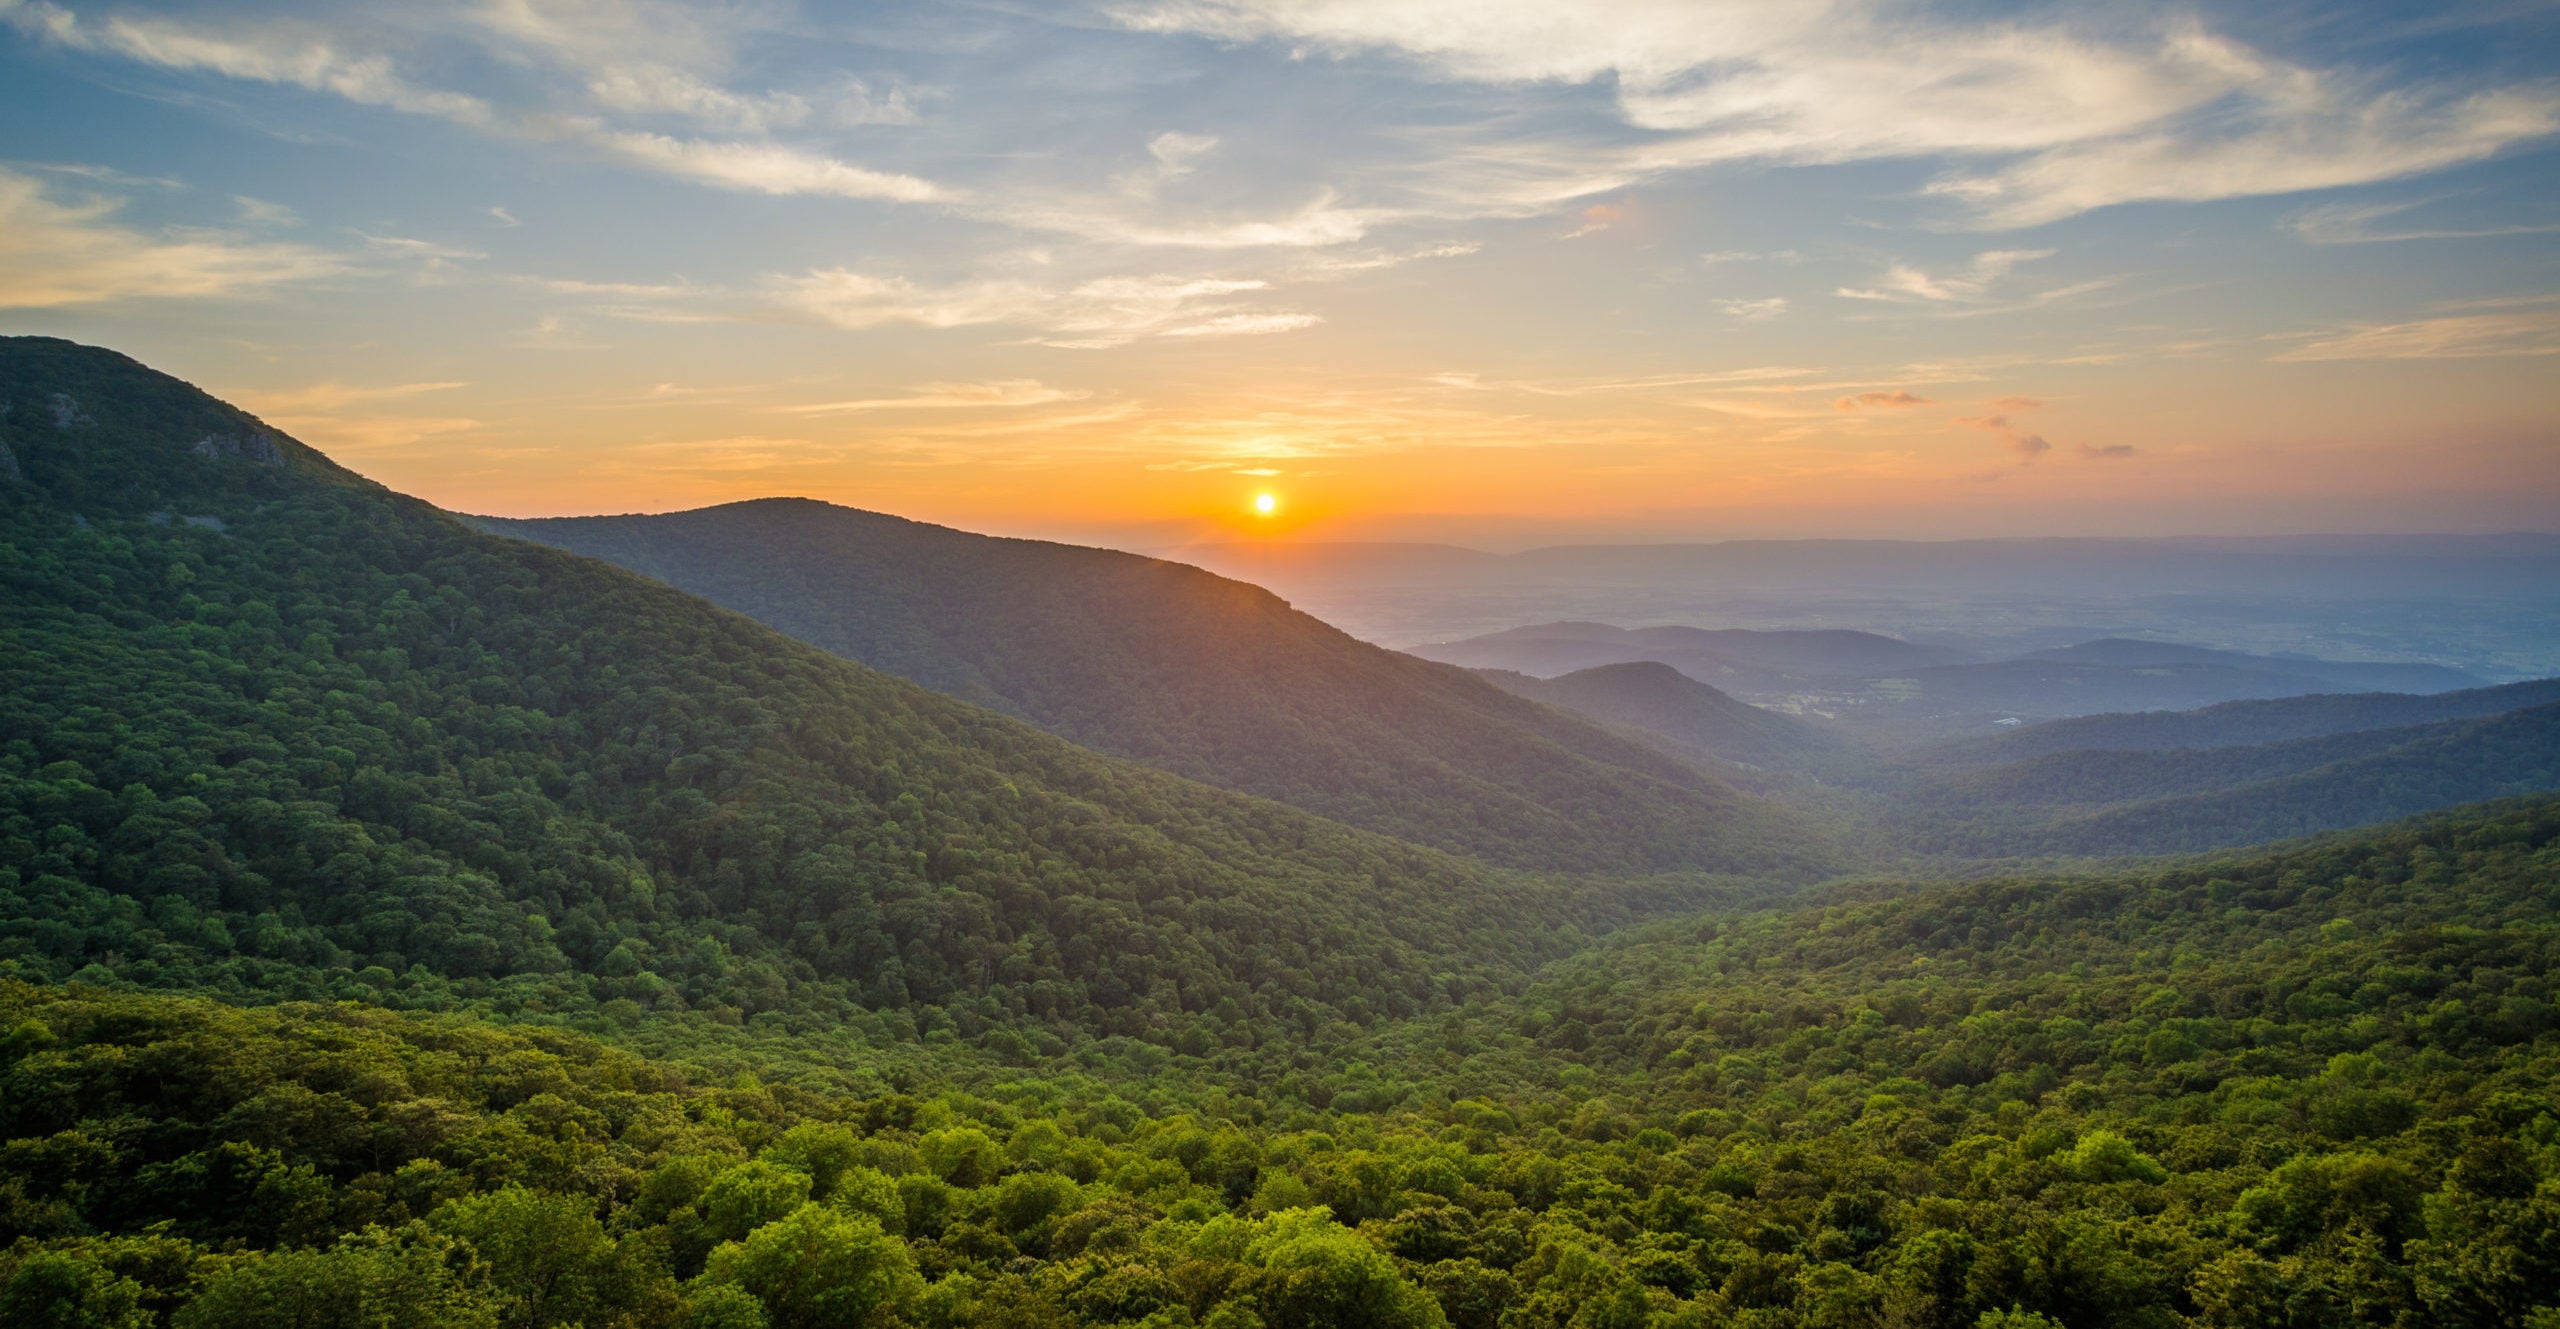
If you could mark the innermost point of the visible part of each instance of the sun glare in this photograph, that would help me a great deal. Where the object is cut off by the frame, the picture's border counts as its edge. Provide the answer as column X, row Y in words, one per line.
column 1265, row 504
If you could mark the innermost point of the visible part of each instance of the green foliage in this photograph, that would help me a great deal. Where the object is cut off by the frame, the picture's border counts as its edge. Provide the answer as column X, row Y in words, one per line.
column 818, row 1269
column 372, row 1279
column 2307, row 1088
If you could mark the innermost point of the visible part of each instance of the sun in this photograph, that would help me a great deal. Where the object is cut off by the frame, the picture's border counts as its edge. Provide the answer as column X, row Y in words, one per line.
column 1265, row 504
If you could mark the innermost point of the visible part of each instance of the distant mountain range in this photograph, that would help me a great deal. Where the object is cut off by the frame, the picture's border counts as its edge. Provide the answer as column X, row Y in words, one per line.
column 2342, row 675
column 2150, row 783
column 1203, row 676
column 2246, row 723
column 1882, row 682
column 2486, row 604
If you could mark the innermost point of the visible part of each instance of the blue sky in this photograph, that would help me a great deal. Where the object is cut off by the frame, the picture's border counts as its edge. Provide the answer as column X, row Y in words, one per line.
column 1489, row 271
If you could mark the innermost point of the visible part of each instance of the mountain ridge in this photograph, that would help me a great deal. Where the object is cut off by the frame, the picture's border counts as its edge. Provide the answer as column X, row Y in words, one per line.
column 1208, row 677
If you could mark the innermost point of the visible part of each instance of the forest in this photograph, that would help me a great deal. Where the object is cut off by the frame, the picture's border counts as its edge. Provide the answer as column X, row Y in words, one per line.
column 401, row 924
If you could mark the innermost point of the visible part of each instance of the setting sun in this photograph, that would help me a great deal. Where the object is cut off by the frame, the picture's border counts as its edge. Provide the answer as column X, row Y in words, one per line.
column 1265, row 504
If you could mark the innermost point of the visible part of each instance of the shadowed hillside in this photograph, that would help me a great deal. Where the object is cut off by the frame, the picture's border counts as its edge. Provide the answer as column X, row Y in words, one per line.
column 1686, row 716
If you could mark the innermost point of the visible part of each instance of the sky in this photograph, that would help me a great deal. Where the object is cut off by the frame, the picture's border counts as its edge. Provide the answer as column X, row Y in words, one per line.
column 1492, row 272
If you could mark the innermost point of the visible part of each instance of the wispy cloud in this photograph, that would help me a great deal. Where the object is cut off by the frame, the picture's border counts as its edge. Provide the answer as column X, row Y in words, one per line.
column 1889, row 399
column 333, row 396
column 2026, row 446
column 1104, row 312
column 2518, row 332
column 602, row 39
column 104, row 175
column 763, row 168
column 1010, row 393
column 2176, row 113
column 55, row 253
column 305, row 58
column 1903, row 283
column 2354, row 224
column 260, row 212
column 340, row 418
column 1765, row 307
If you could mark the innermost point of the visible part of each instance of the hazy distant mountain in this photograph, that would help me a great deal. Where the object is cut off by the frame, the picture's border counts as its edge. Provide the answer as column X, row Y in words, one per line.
column 1197, row 674
column 2489, row 605
column 1768, row 663
column 2360, row 676
column 1688, row 717
column 2244, row 723
column 1889, row 685
column 2039, row 688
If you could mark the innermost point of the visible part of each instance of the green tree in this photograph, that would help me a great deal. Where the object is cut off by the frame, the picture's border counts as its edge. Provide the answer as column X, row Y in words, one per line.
column 818, row 1269
column 405, row 1278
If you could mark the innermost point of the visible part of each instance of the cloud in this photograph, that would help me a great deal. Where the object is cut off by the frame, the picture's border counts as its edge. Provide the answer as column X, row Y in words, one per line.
column 259, row 212
column 2028, row 447
column 1597, row 218
column 333, row 396
column 1011, row 392
column 429, row 255
column 105, row 175
column 283, row 55
column 2015, row 403
column 504, row 217
column 554, row 332
column 2313, row 135
column 1105, row 312
column 763, row 168
column 1769, row 307
column 2111, row 452
column 1758, row 374
column 2352, row 224
column 1244, row 325
column 55, row 253
column 319, row 414
column 2170, row 111
column 1319, row 222
column 1171, row 155
column 1893, row 399
column 607, row 39
column 1905, row 284
column 2522, row 332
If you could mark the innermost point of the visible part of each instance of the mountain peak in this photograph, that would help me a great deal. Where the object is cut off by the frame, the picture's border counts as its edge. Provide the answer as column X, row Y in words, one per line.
column 98, row 432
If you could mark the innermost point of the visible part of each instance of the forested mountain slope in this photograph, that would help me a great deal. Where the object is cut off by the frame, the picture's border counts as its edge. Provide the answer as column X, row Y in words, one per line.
column 2308, row 1087
column 2248, row 723
column 267, row 726
column 2438, row 766
column 1206, row 677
